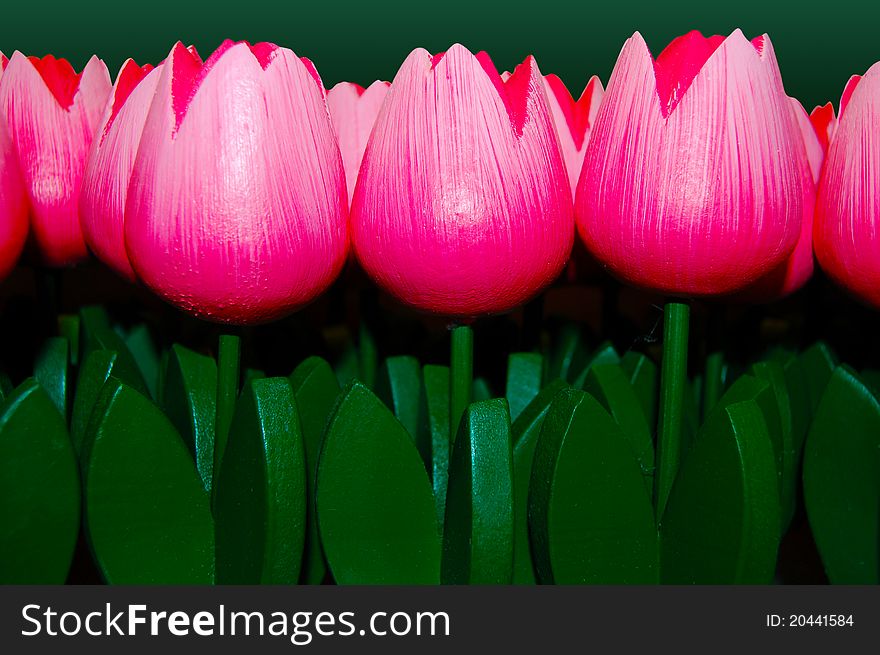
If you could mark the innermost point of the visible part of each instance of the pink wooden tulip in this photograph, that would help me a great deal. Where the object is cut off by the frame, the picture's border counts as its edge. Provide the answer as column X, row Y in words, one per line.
column 692, row 183
column 795, row 271
column 13, row 199
column 574, row 120
column 353, row 111
column 462, row 205
column 105, row 183
column 236, row 209
column 52, row 114
column 847, row 230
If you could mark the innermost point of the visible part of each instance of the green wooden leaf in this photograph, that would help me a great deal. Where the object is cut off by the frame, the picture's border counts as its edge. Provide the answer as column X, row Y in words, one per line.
column 721, row 524
column 399, row 385
column 799, row 401
column 39, row 490
column 375, row 506
column 146, row 354
column 818, row 363
column 436, row 410
column 5, row 386
column 773, row 373
column 189, row 398
column 482, row 390
column 478, row 531
column 260, row 507
column 147, row 514
column 591, row 519
column 644, row 378
column 525, row 373
column 68, row 327
column 604, row 354
column 608, row 384
column 871, row 378
column 347, row 366
column 251, row 374
column 96, row 334
column 842, row 479
column 569, row 355
column 368, row 358
column 316, row 390
column 51, row 370
column 94, row 370
column 524, row 433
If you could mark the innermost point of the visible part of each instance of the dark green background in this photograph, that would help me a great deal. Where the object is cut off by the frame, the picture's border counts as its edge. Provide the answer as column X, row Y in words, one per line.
column 819, row 45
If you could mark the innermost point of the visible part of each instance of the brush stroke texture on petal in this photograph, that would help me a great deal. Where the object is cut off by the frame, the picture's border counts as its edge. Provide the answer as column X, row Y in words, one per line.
column 52, row 118
column 794, row 273
column 353, row 110
column 105, row 183
column 692, row 186
column 463, row 206
column 847, row 230
column 236, row 210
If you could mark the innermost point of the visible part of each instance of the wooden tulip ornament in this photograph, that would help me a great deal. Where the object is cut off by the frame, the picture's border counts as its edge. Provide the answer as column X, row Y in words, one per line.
column 691, row 186
column 462, row 205
column 52, row 113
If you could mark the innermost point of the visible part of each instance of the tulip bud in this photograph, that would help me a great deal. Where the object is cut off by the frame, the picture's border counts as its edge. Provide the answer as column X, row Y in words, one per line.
column 105, row 183
column 846, row 236
column 692, row 183
column 13, row 199
column 462, row 205
column 236, row 209
column 52, row 114
column 353, row 111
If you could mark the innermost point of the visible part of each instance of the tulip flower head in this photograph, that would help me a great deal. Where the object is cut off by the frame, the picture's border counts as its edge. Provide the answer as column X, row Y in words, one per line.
column 236, row 209
column 846, row 237
column 52, row 113
column 462, row 205
column 13, row 198
column 110, row 163
column 692, row 183
column 353, row 111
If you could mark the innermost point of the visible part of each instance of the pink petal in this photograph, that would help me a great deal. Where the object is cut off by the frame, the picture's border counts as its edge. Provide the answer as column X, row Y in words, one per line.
column 848, row 90
column 795, row 271
column 13, row 201
column 353, row 111
column 52, row 139
column 705, row 199
column 573, row 120
column 236, row 210
column 462, row 206
column 676, row 67
column 105, row 182
column 824, row 123
column 848, row 207
column 815, row 151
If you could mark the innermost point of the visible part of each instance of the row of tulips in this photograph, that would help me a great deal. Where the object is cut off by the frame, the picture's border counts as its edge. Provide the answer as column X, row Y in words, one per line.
column 233, row 187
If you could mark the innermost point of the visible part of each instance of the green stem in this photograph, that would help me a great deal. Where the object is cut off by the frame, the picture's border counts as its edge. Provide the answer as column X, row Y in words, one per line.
column 673, row 383
column 461, row 375
column 228, row 376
